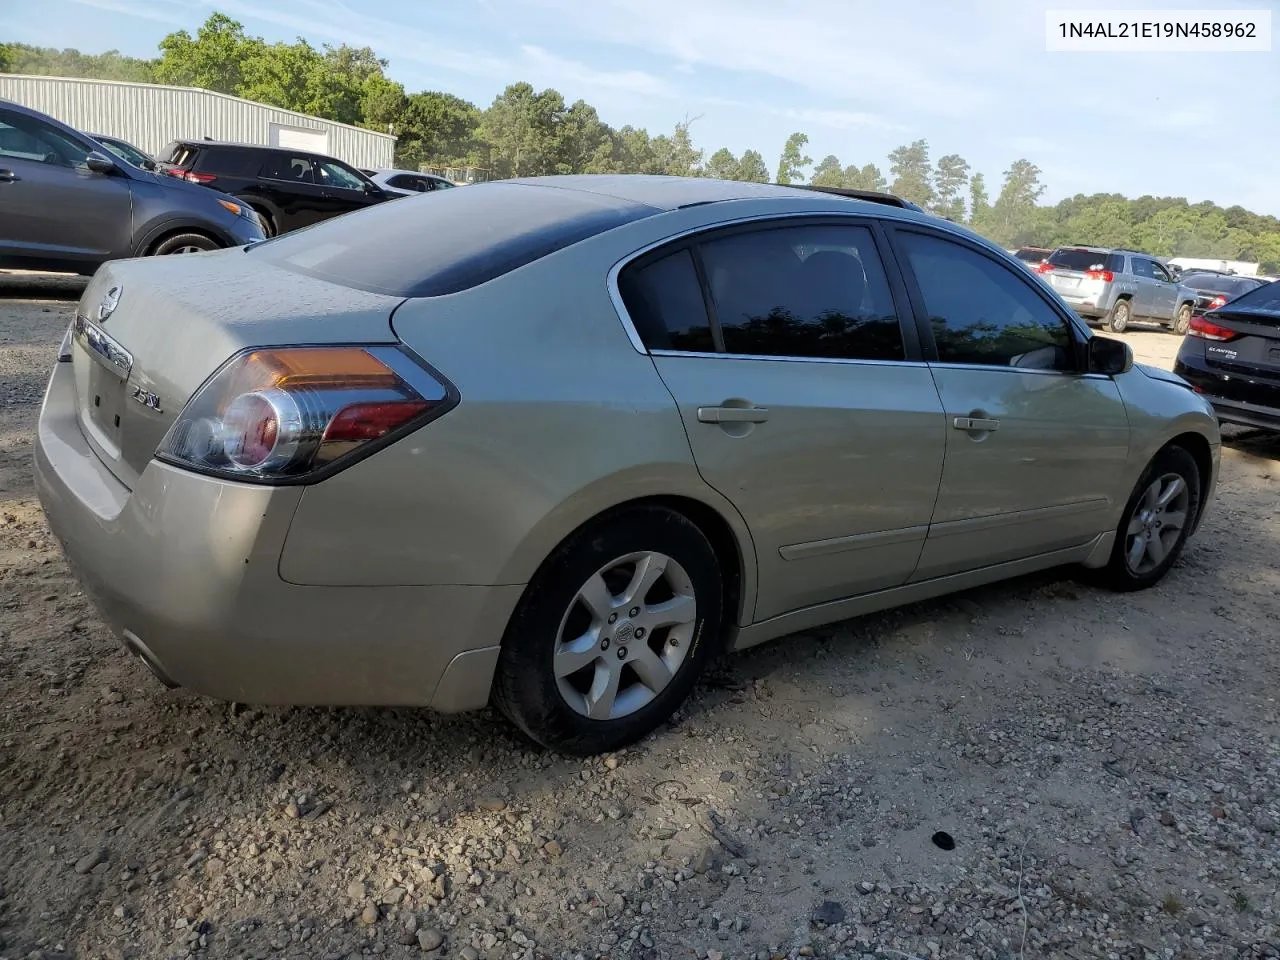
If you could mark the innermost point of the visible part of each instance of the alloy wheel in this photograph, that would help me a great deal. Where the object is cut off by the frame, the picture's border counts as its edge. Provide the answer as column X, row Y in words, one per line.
column 1157, row 523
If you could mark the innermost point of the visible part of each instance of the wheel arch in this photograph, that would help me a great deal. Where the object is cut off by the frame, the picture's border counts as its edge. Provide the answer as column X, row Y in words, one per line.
column 719, row 522
column 1202, row 453
column 156, row 235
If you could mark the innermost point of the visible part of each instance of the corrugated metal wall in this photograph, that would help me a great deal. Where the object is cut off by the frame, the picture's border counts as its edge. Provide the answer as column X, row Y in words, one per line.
column 149, row 116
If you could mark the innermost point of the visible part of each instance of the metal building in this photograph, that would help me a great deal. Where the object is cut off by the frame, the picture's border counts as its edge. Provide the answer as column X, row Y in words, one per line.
column 149, row 116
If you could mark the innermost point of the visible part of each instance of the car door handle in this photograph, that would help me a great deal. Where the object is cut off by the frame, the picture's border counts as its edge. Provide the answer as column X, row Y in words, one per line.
column 8, row 176
column 975, row 424
column 732, row 414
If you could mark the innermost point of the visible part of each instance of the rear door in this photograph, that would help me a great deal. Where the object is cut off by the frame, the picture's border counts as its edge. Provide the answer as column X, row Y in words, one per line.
column 51, row 205
column 289, row 181
column 804, row 398
column 1034, row 447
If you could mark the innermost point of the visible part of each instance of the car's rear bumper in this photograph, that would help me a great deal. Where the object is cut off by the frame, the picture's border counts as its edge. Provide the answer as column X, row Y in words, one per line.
column 1249, row 402
column 186, row 569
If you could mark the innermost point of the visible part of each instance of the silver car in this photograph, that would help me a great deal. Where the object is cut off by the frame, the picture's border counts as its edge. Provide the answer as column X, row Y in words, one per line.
column 1116, row 286
column 556, row 443
column 405, row 183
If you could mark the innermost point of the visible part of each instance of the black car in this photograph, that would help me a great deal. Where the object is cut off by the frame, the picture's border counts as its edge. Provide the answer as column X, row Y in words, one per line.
column 67, row 204
column 288, row 188
column 1214, row 288
column 1231, row 355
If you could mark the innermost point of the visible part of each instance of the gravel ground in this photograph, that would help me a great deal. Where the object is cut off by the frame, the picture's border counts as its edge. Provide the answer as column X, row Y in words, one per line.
column 1105, row 769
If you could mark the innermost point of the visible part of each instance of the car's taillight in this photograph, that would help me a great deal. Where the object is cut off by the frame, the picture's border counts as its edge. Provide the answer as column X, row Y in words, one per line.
column 1207, row 330
column 297, row 414
column 1106, row 276
column 1044, row 266
column 1217, row 301
column 192, row 177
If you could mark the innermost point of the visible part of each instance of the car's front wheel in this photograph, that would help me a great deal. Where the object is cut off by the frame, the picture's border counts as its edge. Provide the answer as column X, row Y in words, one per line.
column 185, row 243
column 1156, row 522
column 612, row 632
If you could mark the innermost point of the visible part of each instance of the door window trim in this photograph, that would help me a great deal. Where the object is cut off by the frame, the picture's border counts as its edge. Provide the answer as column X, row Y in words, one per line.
column 1079, row 332
column 692, row 237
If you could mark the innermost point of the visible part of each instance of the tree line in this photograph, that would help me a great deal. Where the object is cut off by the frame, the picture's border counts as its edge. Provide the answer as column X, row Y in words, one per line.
column 527, row 132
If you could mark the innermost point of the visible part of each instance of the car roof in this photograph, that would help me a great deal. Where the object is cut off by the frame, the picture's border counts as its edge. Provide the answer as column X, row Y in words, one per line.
column 412, row 173
column 674, row 193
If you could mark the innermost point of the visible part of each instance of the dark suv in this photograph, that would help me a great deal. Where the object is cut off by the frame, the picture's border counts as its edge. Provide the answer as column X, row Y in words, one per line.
column 67, row 204
column 288, row 188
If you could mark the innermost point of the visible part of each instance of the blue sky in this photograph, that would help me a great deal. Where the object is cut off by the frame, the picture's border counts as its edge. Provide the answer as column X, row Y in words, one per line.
column 860, row 77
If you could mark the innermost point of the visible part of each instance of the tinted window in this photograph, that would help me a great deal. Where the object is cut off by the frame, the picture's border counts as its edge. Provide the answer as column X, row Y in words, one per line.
column 405, row 182
column 1115, row 262
column 1216, row 283
column 983, row 313
column 1073, row 258
column 452, row 243
column 25, row 138
column 230, row 162
column 1030, row 254
column 284, row 166
column 813, row 291
column 442, row 184
column 1143, row 267
column 664, row 300
column 1160, row 273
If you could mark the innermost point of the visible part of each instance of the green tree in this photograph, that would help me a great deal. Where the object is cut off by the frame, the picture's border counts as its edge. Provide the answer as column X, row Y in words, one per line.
column 979, row 204
column 437, row 128
column 752, row 168
column 828, row 173
column 793, row 160
column 580, row 138
column 46, row 61
column 676, row 155
column 950, row 181
column 1012, row 215
column 868, row 177
column 723, row 165
column 520, row 131
column 215, row 59
column 912, row 173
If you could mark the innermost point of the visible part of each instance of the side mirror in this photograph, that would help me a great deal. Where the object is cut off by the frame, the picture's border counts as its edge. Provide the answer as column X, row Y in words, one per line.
column 99, row 163
column 372, row 190
column 149, row 164
column 1109, row 357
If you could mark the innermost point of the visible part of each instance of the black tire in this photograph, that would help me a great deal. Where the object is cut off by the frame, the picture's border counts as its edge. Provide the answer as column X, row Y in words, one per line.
column 525, row 687
column 185, row 243
column 1120, row 572
column 1182, row 322
column 268, row 222
column 1121, row 313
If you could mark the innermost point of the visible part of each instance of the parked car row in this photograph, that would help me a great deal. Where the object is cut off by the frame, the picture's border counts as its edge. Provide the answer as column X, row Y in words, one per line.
column 74, row 200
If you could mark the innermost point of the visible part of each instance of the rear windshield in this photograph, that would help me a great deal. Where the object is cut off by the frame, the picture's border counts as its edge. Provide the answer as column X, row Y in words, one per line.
column 428, row 246
column 1217, row 283
column 177, row 153
column 1074, row 259
column 1030, row 254
column 1265, row 298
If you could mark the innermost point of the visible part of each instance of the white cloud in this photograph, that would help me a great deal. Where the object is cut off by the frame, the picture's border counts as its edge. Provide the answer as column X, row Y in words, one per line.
column 557, row 69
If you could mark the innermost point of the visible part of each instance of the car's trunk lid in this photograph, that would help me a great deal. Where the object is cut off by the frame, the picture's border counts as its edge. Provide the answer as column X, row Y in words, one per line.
column 148, row 333
column 1255, row 346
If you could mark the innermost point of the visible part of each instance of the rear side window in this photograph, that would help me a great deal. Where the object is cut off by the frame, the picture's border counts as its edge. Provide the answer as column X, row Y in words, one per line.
column 1143, row 267
column 460, row 239
column 664, row 300
column 230, row 162
column 808, row 291
column 288, row 167
column 1115, row 262
column 981, row 312
column 1070, row 258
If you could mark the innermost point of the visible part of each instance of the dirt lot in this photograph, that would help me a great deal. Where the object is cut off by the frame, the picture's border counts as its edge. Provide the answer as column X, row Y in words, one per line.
column 1108, row 768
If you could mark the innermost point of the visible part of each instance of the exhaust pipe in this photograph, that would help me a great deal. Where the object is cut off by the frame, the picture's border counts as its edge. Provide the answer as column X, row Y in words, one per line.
column 139, row 650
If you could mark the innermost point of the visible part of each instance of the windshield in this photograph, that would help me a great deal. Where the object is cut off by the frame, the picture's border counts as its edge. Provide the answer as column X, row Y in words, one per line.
column 125, row 152
column 1265, row 298
column 1077, row 259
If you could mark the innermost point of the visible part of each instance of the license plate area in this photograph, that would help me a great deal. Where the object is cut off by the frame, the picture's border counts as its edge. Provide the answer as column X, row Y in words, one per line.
column 104, row 402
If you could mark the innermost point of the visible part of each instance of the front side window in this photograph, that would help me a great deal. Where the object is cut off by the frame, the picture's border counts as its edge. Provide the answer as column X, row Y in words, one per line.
column 806, row 291
column 25, row 138
column 665, row 302
column 1142, row 267
column 335, row 175
column 983, row 313
column 1160, row 273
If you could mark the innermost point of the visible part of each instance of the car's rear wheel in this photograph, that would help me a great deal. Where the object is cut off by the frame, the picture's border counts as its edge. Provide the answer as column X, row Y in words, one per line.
column 1118, row 319
column 1156, row 522
column 1182, row 322
column 185, row 243
column 612, row 632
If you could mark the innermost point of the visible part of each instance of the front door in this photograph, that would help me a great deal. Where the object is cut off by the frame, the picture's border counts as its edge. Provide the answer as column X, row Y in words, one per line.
column 51, row 205
column 804, row 404
column 290, row 182
column 1034, row 447
column 345, row 189
column 1165, row 292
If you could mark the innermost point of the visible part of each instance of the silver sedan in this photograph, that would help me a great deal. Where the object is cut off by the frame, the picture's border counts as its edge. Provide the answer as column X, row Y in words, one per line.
column 556, row 443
